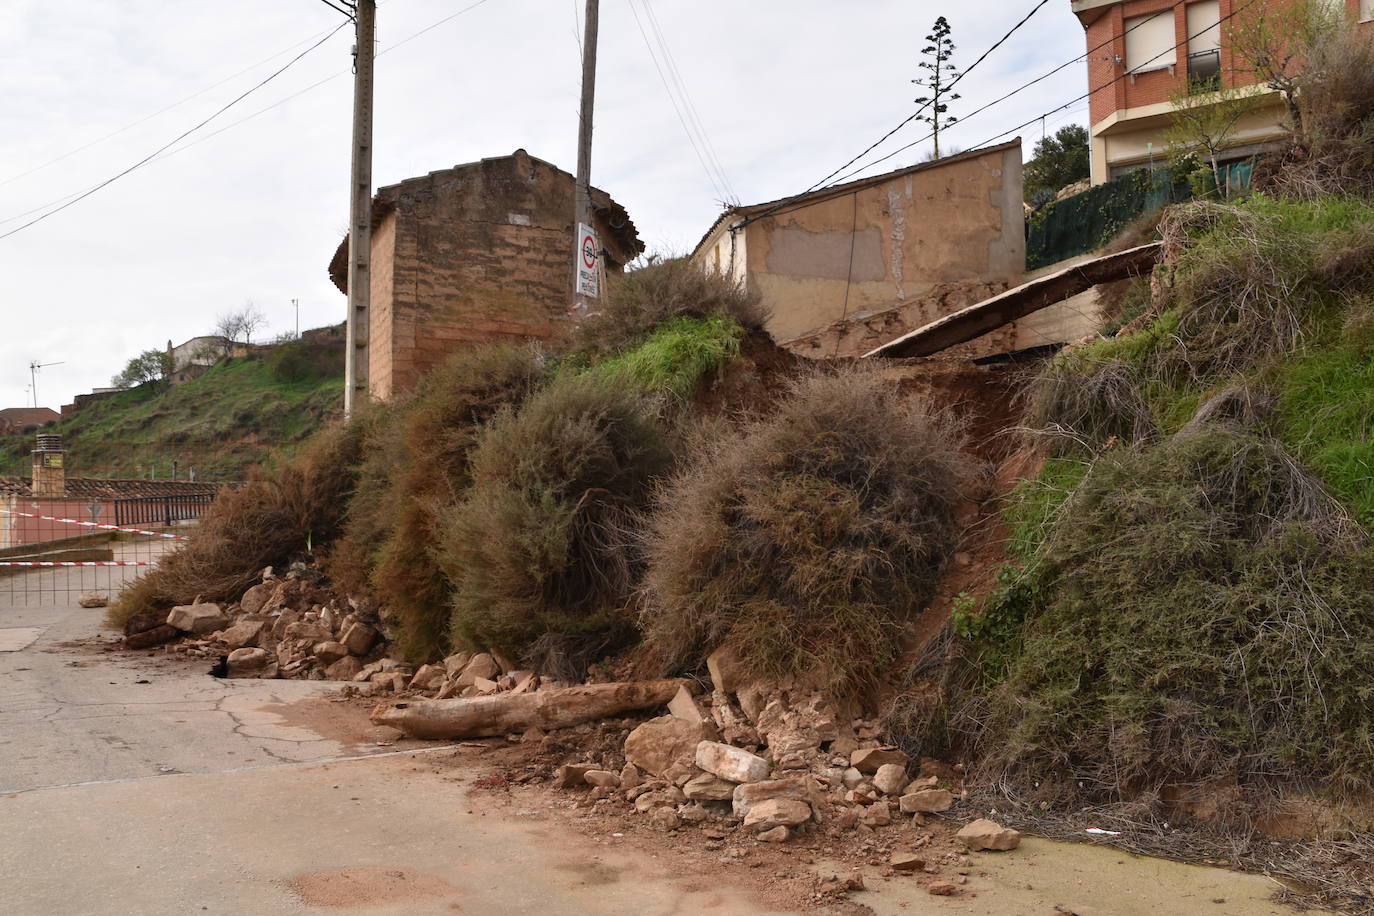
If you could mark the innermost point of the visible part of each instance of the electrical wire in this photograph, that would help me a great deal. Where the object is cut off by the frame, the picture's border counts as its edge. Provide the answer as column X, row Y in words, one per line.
column 164, row 152
column 692, row 114
column 144, row 161
column 677, row 108
column 351, row 13
column 161, row 111
column 914, row 115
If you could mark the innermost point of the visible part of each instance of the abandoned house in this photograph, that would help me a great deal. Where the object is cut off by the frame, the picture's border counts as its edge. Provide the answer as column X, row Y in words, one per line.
column 847, row 268
column 478, row 252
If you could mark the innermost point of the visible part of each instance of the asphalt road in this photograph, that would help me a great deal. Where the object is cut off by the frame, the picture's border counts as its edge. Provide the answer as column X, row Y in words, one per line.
column 137, row 784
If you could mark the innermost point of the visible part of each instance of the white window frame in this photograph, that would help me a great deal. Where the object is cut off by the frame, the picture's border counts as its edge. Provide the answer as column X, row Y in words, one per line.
column 1145, row 39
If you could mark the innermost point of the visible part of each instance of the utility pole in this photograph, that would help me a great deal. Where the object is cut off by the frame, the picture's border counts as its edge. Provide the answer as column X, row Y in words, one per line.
column 582, row 200
column 34, row 366
column 296, row 304
column 360, row 210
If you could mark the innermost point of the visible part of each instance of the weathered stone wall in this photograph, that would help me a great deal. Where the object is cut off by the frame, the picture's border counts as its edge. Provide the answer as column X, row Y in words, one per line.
column 476, row 253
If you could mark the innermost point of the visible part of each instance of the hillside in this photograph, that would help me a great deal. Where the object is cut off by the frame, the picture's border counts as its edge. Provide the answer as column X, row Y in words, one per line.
column 217, row 425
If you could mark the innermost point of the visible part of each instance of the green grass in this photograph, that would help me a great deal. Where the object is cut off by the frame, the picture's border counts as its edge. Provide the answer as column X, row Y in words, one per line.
column 220, row 424
column 677, row 355
column 1326, row 415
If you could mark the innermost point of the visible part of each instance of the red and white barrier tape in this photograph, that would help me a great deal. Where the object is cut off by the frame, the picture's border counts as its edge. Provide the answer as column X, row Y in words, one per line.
column 77, row 563
column 72, row 521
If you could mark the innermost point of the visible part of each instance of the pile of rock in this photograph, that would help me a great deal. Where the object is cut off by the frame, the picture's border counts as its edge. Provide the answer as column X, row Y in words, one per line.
column 773, row 758
column 276, row 629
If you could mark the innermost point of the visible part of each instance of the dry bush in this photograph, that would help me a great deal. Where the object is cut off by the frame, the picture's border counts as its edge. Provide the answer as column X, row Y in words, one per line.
column 1334, row 151
column 643, row 299
column 536, row 548
column 807, row 539
column 1077, row 401
column 422, row 468
column 280, row 514
column 1203, row 615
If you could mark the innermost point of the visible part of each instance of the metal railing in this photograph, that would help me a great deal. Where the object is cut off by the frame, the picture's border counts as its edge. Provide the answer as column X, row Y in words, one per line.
column 161, row 510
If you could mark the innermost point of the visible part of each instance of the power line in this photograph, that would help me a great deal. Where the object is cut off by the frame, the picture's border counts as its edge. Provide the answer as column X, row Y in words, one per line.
column 164, row 152
column 350, row 12
column 1008, row 95
column 672, row 99
column 82, row 196
column 161, row 111
column 688, row 103
column 912, row 117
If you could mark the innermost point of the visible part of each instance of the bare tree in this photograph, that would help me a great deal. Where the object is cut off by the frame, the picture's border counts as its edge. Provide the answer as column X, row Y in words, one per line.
column 1205, row 122
column 1273, row 42
column 240, row 324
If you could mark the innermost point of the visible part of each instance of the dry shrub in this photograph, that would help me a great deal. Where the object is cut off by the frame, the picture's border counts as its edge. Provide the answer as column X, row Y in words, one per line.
column 1334, row 151
column 1345, row 262
column 1239, row 292
column 280, row 514
column 422, row 467
column 806, row 540
column 641, row 300
column 536, row 548
column 1203, row 616
column 1077, row 401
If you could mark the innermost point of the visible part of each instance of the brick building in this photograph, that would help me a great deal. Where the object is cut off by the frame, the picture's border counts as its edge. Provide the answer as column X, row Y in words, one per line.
column 16, row 421
column 1140, row 52
column 481, row 251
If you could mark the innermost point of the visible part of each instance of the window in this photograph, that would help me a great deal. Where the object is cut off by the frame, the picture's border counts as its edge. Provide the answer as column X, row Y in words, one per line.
column 1150, row 42
column 1204, row 46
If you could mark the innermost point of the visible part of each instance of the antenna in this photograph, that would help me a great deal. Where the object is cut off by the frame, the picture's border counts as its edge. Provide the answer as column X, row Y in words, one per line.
column 34, row 366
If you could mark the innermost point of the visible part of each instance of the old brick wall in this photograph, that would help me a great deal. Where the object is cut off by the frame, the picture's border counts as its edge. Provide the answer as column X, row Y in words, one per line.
column 477, row 253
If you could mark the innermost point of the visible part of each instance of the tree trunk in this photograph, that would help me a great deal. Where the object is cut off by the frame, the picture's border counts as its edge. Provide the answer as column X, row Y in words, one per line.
column 512, row 713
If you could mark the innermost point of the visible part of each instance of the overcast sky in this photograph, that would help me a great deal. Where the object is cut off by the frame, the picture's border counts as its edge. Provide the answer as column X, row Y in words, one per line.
column 786, row 90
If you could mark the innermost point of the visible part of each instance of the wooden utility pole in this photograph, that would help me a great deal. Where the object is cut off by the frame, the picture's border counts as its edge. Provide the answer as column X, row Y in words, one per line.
column 582, row 201
column 360, row 210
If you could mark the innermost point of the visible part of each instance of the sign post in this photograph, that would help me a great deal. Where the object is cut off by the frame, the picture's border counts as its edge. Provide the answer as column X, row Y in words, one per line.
column 588, row 266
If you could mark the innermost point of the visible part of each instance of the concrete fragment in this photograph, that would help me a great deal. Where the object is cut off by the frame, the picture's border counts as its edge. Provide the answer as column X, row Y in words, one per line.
column 330, row 651
column 359, row 638
column 707, row 787
column 890, row 778
column 345, row 669
column 656, row 745
column 906, row 861
column 867, row 760
column 745, row 797
column 456, row 662
column 986, row 834
column 428, row 677
column 251, row 662
column 92, row 599
column 246, row 632
column 727, row 671
column 926, row 801
column 603, row 778
column 732, row 763
column 254, row 599
column 684, row 706
column 197, row 618
column 777, row 812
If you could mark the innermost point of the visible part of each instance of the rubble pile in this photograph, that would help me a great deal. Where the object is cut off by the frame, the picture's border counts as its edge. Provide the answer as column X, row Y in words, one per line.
column 754, row 762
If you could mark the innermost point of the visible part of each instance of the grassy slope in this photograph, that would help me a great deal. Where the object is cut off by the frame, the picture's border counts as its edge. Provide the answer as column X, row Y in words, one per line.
column 221, row 423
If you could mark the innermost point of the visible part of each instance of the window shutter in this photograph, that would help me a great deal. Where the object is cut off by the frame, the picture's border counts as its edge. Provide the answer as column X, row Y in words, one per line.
column 1204, row 26
column 1150, row 42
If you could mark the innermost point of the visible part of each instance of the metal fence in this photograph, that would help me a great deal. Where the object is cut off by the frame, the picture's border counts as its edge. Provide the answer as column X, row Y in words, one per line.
column 161, row 510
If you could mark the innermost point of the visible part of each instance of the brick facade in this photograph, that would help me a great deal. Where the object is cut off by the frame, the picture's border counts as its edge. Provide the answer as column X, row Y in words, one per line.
column 478, row 252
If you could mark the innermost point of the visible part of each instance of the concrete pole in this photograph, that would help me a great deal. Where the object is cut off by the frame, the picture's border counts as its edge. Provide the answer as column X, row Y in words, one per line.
column 582, row 201
column 360, row 212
